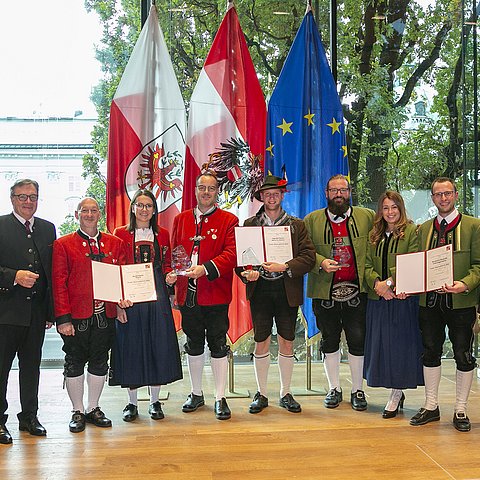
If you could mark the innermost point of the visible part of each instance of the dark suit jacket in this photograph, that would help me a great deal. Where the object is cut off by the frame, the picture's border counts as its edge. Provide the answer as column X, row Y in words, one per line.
column 16, row 253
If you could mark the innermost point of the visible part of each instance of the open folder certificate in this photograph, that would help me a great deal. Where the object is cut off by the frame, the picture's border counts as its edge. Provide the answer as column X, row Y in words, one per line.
column 422, row 272
column 112, row 283
column 256, row 245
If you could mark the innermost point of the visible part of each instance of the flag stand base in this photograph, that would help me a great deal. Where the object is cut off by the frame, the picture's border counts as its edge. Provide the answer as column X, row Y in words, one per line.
column 232, row 393
column 308, row 390
column 144, row 394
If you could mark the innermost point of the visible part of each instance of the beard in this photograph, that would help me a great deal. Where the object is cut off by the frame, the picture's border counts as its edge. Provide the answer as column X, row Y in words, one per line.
column 338, row 208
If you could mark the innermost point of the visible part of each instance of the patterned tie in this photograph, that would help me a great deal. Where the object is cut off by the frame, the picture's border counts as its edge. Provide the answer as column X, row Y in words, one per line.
column 27, row 226
column 93, row 246
column 443, row 227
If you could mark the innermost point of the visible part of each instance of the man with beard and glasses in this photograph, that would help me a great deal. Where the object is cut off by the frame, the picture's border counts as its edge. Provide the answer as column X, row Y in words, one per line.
column 337, row 285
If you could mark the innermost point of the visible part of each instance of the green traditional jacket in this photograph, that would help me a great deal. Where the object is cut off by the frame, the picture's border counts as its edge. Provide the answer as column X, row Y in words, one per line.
column 319, row 283
column 373, row 267
column 465, row 238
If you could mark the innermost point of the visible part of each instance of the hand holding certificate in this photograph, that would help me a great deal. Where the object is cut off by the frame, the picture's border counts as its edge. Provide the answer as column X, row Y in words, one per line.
column 263, row 244
column 422, row 272
column 112, row 283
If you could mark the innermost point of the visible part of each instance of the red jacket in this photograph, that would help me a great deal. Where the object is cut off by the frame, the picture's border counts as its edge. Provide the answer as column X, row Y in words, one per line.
column 163, row 239
column 216, row 253
column 72, row 275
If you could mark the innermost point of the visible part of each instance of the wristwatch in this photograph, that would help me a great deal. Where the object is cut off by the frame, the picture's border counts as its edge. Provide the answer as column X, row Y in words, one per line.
column 389, row 283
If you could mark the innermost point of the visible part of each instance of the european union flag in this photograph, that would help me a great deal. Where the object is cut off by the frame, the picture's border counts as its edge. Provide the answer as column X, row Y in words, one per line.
column 306, row 139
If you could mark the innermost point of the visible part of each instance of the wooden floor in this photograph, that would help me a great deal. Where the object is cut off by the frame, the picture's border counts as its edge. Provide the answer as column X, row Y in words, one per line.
column 275, row 444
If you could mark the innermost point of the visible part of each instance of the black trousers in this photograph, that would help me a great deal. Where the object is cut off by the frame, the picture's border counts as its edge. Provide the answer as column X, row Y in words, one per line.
column 433, row 321
column 91, row 344
column 210, row 322
column 333, row 317
column 26, row 343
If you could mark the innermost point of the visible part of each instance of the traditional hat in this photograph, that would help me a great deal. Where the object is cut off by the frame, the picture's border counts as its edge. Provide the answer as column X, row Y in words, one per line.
column 270, row 182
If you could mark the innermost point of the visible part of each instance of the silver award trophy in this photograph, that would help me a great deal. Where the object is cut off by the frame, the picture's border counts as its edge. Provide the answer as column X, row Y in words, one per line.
column 341, row 255
column 250, row 259
column 180, row 260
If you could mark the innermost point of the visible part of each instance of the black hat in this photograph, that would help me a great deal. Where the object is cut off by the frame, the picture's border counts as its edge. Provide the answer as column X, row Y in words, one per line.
column 270, row 182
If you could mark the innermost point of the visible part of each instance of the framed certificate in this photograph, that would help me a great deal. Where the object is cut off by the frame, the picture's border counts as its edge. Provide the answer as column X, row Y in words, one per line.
column 422, row 272
column 112, row 283
column 256, row 245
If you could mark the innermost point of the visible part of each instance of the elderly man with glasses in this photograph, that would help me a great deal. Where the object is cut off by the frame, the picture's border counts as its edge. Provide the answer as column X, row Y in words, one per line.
column 206, row 235
column 338, row 287
column 25, row 301
column 85, row 324
column 453, row 306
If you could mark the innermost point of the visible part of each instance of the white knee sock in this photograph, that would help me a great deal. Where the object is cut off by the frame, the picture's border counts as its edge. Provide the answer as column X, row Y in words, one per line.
column 132, row 396
column 464, row 382
column 261, row 364
column 220, row 371
column 195, row 368
column 75, row 387
column 285, row 367
column 95, row 385
column 356, row 371
column 394, row 400
column 331, row 364
column 154, row 393
column 432, row 377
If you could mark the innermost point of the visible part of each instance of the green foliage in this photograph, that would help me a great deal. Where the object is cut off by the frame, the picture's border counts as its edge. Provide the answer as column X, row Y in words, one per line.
column 70, row 225
column 386, row 50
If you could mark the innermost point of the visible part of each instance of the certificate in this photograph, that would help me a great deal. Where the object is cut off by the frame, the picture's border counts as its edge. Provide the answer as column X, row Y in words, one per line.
column 422, row 272
column 256, row 245
column 112, row 283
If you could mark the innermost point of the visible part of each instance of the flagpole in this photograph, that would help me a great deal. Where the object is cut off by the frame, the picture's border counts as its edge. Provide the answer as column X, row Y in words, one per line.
column 309, row 6
column 333, row 39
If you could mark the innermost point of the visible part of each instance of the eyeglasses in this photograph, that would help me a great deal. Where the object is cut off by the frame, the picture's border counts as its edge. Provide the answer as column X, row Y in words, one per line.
column 447, row 194
column 23, row 197
column 86, row 211
column 204, row 188
column 144, row 206
column 334, row 191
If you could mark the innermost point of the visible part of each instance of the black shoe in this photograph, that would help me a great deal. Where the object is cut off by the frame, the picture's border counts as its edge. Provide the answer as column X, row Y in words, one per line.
column 333, row 398
column 222, row 412
column 5, row 437
column 290, row 403
column 461, row 422
column 393, row 413
column 155, row 411
column 259, row 403
column 424, row 416
column 77, row 423
column 31, row 425
column 358, row 401
column 98, row 418
column 130, row 413
column 193, row 402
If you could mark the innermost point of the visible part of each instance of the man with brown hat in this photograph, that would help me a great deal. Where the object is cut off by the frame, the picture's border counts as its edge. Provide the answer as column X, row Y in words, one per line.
column 275, row 290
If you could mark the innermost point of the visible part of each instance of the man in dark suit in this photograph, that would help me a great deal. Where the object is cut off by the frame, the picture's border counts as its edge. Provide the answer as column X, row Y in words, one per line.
column 25, row 301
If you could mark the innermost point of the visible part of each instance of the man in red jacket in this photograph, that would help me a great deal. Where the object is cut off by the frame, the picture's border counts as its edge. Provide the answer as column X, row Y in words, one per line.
column 207, row 234
column 86, row 325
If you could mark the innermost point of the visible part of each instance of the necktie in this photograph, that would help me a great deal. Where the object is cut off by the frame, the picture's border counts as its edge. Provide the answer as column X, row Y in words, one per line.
column 27, row 226
column 93, row 246
column 338, row 217
column 443, row 228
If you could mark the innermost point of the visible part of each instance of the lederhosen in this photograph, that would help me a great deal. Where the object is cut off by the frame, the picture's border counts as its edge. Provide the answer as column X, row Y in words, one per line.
column 203, row 321
column 439, row 313
column 346, row 308
column 93, row 337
